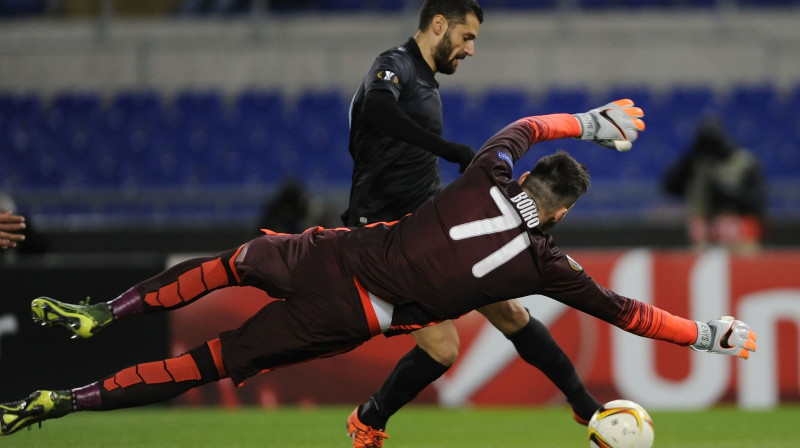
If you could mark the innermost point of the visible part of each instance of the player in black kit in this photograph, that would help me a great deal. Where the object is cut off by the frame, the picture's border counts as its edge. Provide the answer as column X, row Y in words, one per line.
column 480, row 241
column 395, row 142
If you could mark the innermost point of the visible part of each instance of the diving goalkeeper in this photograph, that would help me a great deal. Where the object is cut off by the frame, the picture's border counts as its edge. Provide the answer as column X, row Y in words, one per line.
column 480, row 241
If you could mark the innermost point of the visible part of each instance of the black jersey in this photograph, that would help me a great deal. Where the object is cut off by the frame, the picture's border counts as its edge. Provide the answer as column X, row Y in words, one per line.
column 391, row 177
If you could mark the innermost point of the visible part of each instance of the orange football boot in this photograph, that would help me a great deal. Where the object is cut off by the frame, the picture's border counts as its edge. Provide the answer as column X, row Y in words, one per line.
column 364, row 436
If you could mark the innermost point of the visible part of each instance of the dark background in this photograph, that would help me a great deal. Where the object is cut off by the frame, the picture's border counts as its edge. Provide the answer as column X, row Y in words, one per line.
column 34, row 357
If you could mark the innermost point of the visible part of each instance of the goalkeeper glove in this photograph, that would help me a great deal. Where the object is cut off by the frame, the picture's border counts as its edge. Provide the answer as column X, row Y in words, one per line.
column 614, row 125
column 725, row 336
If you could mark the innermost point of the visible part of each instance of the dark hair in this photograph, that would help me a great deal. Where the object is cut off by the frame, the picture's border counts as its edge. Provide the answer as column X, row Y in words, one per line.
column 455, row 11
column 557, row 180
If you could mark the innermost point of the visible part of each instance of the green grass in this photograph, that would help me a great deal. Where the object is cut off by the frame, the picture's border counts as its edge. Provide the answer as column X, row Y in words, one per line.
column 417, row 427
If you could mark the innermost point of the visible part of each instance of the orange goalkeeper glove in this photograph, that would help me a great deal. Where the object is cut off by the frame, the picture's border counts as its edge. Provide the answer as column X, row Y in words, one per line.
column 726, row 336
column 614, row 125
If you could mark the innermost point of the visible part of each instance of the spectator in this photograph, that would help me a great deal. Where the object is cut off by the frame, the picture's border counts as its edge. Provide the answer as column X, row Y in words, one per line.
column 724, row 188
column 293, row 209
column 11, row 225
column 288, row 210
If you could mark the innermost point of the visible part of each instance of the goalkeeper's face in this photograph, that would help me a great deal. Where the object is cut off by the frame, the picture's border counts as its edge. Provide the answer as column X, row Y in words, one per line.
column 457, row 43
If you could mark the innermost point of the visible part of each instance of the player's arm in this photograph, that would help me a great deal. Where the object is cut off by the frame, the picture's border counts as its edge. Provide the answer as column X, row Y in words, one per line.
column 726, row 335
column 570, row 285
column 10, row 224
column 614, row 125
column 381, row 111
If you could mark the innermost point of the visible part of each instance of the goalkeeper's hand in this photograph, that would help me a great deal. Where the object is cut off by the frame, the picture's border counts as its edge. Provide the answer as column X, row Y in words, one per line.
column 614, row 125
column 726, row 336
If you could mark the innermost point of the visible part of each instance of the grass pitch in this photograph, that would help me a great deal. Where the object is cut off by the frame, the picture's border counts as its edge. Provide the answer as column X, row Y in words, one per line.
column 417, row 427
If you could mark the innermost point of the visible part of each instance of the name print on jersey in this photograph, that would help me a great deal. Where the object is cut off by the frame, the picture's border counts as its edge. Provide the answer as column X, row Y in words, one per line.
column 527, row 209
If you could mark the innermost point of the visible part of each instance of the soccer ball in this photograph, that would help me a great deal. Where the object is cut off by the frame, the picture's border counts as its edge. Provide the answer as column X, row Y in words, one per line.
column 621, row 424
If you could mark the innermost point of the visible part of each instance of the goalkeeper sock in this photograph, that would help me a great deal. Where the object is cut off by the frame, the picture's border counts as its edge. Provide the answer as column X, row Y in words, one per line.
column 413, row 372
column 152, row 382
column 178, row 285
column 537, row 347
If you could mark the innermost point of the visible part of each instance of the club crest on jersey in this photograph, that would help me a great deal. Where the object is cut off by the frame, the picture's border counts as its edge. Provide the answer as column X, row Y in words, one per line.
column 506, row 157
column 574, row 264
column 388, row 75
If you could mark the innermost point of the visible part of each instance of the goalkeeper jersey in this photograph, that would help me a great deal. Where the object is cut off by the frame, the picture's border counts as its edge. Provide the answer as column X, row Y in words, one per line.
column 476, row 243
column 479, row 242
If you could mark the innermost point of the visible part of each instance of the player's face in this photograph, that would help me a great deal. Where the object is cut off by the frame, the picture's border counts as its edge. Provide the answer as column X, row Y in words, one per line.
column 457, row 43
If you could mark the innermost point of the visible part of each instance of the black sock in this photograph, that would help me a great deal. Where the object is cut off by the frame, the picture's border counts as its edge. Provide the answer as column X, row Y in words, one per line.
column 413, row 372
column 537, row 347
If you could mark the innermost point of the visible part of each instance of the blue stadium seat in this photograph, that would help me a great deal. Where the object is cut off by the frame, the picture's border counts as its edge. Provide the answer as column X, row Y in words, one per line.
column 565, row 100
column 752, row 95
column 455, row 109
column 11, row 8
column 766, row 3
column 497, row 108
column 462, row 119
column 354, row 6
column 518, row 4
column 342, row 5
column 23, row 142
column 259, row 129
column 167, row 163
column 390, row 5
column 751, row 112
column 320, row 130
column 319, row 120
column 213, row 7
column 200, row 107
column 641, row 95
column 263, row 137
column 259, row 112
column 692, row 99
column 134, row 108
column 19, row 108
column 685, row 106
column 6, row 106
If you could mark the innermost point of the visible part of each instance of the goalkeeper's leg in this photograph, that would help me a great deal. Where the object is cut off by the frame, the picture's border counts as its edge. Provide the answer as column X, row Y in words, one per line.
column 537, row 347
column 173, row 288
column 138, row 385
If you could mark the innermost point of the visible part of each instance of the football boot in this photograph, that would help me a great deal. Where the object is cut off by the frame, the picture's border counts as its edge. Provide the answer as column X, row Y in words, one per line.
column 83, row 319
column 40, row 405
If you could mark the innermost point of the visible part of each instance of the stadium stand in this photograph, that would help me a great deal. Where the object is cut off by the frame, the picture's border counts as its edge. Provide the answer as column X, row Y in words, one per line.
column 28, row 8
column 139, row 154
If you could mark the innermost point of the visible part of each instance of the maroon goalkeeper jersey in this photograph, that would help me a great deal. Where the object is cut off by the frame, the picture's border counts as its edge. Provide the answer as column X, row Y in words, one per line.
column 479, row 242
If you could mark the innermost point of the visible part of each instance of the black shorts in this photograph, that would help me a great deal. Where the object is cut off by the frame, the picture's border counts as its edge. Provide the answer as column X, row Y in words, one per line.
column 320, row 314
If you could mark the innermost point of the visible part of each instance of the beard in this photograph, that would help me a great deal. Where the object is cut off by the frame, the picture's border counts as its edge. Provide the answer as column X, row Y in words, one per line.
column 441, row 56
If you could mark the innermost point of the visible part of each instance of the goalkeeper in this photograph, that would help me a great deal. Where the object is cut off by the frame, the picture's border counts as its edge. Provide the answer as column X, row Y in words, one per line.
column 482, row 240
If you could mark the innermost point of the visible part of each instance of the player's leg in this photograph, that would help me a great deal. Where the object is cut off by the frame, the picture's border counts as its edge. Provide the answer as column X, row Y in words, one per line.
column 537, row 347
column 137, row 385
column 436, row 350
column 173, row 288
